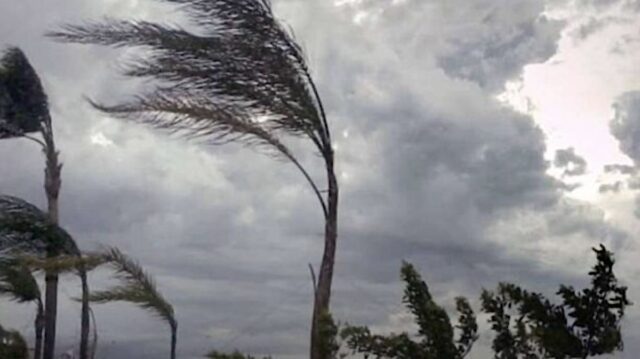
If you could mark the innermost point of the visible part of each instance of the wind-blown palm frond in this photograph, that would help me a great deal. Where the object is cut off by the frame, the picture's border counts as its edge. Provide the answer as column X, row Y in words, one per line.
column 242, row 61
column 23, row 103
column 136, row 287
column 17, row 282
column 27, row 229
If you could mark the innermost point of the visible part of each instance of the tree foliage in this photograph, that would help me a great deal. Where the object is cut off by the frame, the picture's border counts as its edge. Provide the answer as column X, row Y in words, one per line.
column 136, row 287
column 23, row 103
column 436, row 334
column 24, row 228
column 17, row 282
column 585, row 323
column 240, row 78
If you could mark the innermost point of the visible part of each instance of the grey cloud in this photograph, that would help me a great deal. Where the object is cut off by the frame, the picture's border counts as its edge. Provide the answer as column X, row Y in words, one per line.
column 610, row 187
column 622, row 169
column 491, row 61
column 634, row 183
column 625, row 125
column 589, row 28
column 573, row 164
column 431, row 164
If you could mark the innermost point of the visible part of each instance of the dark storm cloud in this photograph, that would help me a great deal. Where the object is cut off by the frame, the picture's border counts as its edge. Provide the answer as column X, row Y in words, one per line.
column 432, row 170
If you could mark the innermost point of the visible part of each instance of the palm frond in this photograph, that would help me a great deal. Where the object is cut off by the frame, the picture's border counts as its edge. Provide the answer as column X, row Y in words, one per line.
column 27, row 229
column 136, row 287
column 243, row 64
column 17, row 282
column 23, row 103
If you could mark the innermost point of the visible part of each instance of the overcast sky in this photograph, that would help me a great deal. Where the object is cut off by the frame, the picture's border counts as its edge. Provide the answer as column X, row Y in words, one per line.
column 484, row 141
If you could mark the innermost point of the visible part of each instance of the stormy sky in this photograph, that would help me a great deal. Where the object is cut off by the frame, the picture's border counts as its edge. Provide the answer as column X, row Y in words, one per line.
column 483, row 141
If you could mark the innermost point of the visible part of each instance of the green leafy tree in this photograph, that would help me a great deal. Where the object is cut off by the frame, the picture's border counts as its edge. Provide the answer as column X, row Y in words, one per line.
column 240, row 78
column 139, row 288
column 436, row 334
column 24, row 110
column 585, row 323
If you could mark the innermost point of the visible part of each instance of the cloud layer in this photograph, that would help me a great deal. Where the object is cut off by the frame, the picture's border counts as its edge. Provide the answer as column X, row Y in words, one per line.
column 433, row 170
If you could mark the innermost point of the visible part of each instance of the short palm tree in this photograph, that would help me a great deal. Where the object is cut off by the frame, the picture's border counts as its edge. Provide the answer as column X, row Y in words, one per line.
column 18, row 284
column 240, row 78
column 25, row 230
column 139, row 288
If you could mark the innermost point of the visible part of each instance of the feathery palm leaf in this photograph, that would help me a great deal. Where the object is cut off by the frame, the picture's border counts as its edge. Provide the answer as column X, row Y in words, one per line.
column 23, row 103
column 27, row 229
column 136, row 287
column 17, row 282
column 242, row 64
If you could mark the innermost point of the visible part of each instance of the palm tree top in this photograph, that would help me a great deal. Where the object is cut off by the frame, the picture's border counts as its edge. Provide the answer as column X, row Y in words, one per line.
column 23, row 102
column 241, row 77
column 17, row 282
column 26, row 228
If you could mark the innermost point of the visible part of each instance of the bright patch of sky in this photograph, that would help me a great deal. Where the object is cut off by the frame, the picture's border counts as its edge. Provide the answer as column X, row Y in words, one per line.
column 571, row 95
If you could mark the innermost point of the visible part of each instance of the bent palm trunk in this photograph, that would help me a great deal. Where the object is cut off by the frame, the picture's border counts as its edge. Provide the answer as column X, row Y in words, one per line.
column 322, row 298
column 174, row 338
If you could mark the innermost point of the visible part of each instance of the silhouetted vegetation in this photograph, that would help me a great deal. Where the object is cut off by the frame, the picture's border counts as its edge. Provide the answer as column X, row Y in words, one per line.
column 585, row 323
column 436, row 333
column 526, row 324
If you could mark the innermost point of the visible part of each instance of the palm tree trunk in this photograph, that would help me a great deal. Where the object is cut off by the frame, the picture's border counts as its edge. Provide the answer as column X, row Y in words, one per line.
column 84, row 320
column 39, row 328
column 174, row 339
column 94, row 343
column 52, row 184
column 325, row 278
column 51, row 308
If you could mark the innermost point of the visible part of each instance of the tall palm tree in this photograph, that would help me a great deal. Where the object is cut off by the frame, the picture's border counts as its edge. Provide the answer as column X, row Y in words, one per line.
column 24, row 110
column 240, row 78
column 139, row 288
column 18, row 283
column 26, row 230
